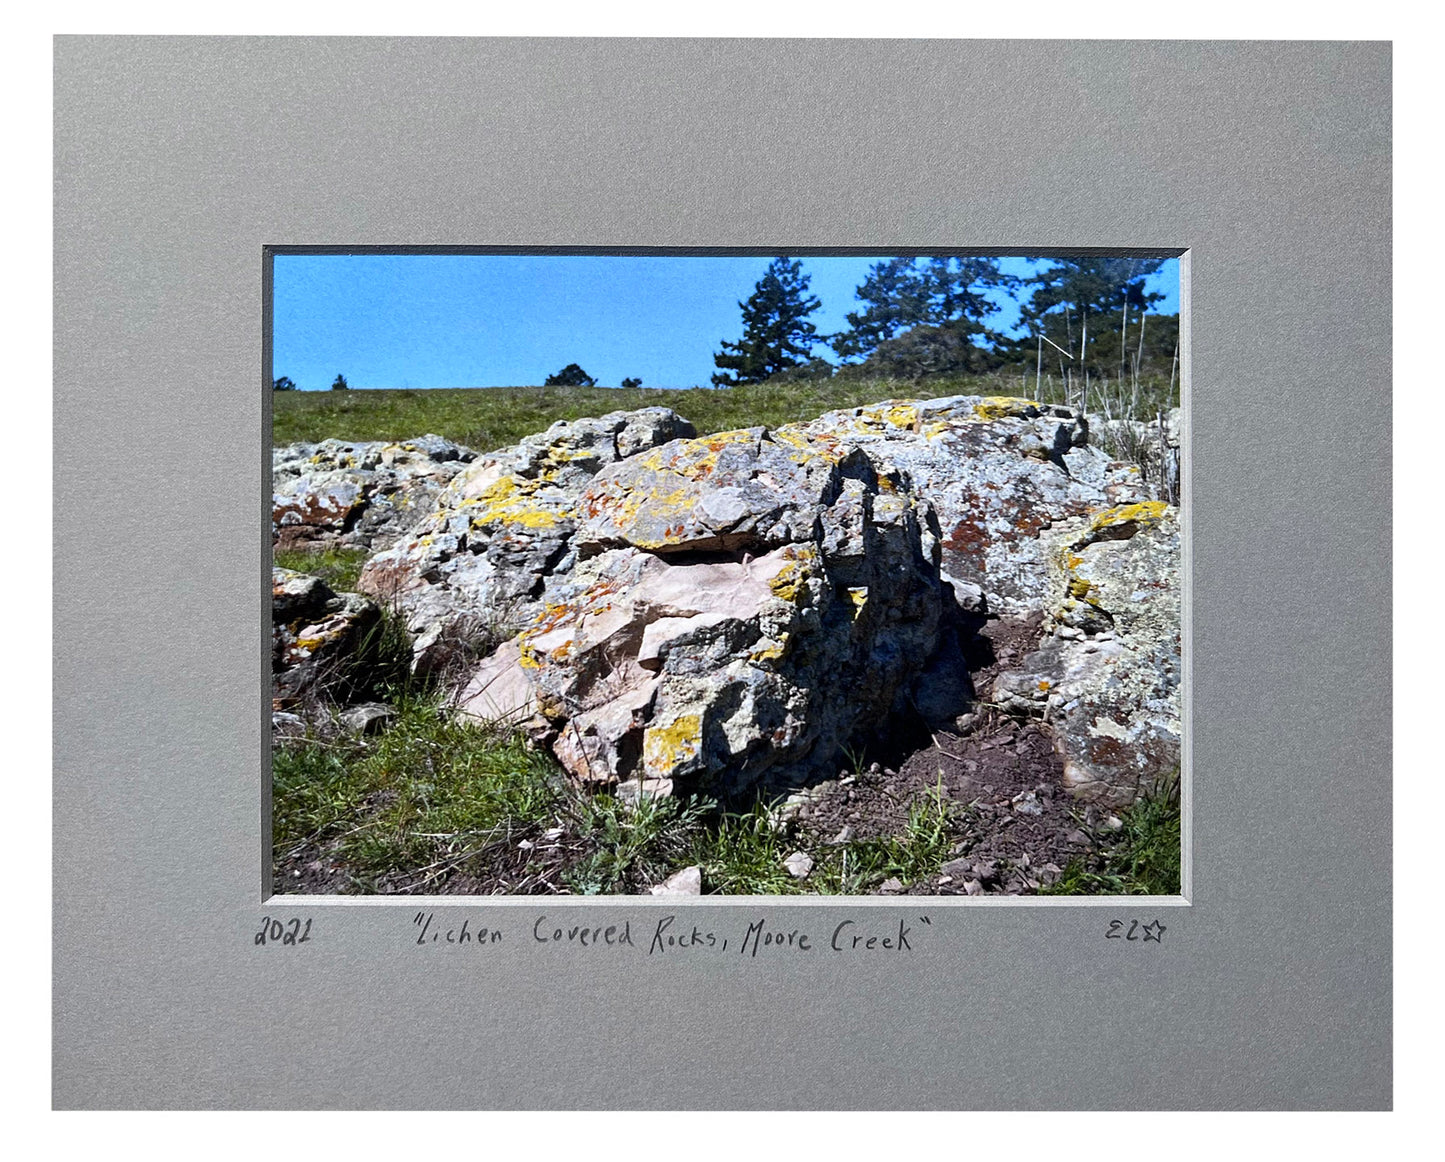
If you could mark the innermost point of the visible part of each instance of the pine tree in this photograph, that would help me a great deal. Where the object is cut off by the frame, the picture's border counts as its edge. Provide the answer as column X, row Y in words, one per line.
column 903, row 293
column 776, row 333
column 570, row 376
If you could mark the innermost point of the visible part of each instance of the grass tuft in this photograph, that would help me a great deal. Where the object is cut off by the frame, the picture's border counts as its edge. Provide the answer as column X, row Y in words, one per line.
column 1142, row 859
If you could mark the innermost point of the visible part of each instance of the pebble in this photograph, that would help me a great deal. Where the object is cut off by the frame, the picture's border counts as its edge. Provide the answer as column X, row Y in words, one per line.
column 799, row 864
column 944, row 880
column 956, row 868
column 875, row 769
column 891, row 886
column 972, row 888
column 526, row 845
column 552, row 833
column 1113, row 823
column 687, row 882
column 842, row 837
column 1077, row 838
column 1028, row 805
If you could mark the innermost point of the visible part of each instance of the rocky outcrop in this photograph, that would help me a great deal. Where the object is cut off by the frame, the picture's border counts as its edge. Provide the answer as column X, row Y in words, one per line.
column 478, row 559
column 365, row 494
column 750, row 605
column 1106, row 675
column 684, row 612
column 1000, row 472
column 316, row 636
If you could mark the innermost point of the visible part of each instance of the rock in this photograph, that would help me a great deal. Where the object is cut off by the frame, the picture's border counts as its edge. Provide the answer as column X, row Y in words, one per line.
column 891, row 886
column 368, row 717
column 286, row 726
column 799, row 864
column 1106, row 675
column 1113, row 823
column 956, row 868
column 319, row 639
column 713, row 612
column 842, row 837
column 478, row 555
column 986, row 870
column 971, row 457
column 972, row 888
column 710, row 654
column 1028, row 805
column 1077, row 838
column 687, row 882
column 357, row 492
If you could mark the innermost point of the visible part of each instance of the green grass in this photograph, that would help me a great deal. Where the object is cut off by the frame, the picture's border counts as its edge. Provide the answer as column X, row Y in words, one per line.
column 430, row 795
column 1142, row 859
column 339, row 568
column 486, row 418
column 436, row 795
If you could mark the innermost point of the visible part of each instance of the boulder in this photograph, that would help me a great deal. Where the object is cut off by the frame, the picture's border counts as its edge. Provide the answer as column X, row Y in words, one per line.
column 363, row 493
column 999, row 472
column 479, row 558
column 1106, row 675
column 316, row 636
column 706, row 646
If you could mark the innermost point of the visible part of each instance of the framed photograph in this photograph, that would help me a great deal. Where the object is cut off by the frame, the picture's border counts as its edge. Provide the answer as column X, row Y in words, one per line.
column 604, row 541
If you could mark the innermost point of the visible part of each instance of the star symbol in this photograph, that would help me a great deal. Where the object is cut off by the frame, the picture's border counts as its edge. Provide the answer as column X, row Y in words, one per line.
column 1157, row 929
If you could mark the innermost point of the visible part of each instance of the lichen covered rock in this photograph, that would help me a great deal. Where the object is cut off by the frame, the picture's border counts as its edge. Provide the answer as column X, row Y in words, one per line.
column 703, row 651
column 504, row 524
column 1106, row 676
column 363, row 493
column 315, row 633
column 999, row 472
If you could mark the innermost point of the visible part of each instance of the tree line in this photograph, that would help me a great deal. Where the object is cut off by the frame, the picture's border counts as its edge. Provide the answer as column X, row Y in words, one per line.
column 923, row 317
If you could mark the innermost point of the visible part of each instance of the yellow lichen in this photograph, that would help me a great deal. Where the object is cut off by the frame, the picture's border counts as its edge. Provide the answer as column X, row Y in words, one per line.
column 510, row 501
column 771, row 651
column 999, row 407
column 666, row 747
column 859, row 596
column 1146, row 512
column 790, row 579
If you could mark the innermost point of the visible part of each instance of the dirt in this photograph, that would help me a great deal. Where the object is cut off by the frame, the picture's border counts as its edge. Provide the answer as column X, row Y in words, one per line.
column 1000, row 777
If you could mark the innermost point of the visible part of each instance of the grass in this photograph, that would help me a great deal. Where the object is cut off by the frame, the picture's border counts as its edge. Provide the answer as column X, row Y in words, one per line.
column 1143, row 859
column 486, row 418
column 339, row 568
column 430, row 796
column 436, row 796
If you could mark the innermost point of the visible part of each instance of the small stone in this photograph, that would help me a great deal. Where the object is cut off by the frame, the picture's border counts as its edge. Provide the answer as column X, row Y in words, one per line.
column 552, row 834
column 891, row 886
column 847, row 781
column 633, row 790
column 1113, row 823
column 842, row 837
column 956, row 868
column 889, row 773
column 799, row 864
column 1024, row 860
column 1028, row 805
column 972, row 888
column 368, row 718
column 944, row 880
column 1077, row 838
column 874, row 769
column 526, row 845
column 986, row 870
column 965, row 722
column 687, row 882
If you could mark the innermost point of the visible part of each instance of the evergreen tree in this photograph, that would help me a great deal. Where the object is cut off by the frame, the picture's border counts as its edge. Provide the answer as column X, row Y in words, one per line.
column 285, row 383
column 776, row 333
column 339, row 383
column 903, row 293
column 570, row 376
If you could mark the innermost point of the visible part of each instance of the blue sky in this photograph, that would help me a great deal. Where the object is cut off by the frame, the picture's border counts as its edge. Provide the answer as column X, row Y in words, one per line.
column 422, row 321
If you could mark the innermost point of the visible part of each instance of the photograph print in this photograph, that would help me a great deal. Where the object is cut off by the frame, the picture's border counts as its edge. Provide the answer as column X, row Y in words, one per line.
column 725, row 574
